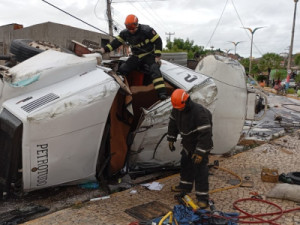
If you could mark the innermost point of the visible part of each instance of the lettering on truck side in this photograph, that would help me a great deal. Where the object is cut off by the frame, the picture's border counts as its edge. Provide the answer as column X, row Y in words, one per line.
column 42, row 163
column 189, row 78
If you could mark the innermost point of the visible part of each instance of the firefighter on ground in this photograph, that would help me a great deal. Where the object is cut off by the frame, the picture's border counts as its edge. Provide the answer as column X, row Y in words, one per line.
column 194, row 123
column 146, row 47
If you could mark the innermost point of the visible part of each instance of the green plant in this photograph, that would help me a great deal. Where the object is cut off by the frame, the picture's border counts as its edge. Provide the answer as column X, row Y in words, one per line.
column 179, row 45
column 297, row 59
column 290, row 91
column 278, row 74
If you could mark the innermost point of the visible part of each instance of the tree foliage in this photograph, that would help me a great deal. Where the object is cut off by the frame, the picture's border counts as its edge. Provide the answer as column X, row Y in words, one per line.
column 179, row 45
column 269, row 61
column 254, row 69
column 297, row 59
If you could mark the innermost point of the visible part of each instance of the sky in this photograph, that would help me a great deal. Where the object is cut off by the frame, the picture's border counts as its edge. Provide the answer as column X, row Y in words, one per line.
column 208, row 23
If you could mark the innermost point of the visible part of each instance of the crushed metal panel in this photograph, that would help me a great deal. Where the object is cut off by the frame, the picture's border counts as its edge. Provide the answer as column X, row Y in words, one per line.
column 231, row 105
column 60, row 142
column 251, row 106
column 150, row 148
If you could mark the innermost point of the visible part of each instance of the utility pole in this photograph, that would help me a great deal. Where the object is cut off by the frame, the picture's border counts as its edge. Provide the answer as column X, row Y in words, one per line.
column 109, row 17
column 169, row 35
column 292, row 39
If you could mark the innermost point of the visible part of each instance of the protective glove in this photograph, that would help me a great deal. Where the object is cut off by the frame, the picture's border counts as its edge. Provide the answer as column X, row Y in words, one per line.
column 171, row 146
column 197, row 158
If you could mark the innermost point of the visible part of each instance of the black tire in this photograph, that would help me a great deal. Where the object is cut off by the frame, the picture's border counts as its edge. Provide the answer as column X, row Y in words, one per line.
column 295, row 176
column 22, row 50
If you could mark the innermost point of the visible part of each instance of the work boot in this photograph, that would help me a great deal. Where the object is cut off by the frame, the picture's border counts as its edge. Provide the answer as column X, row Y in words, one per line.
column 181, row 188
column 203, row 204
column 202, row 201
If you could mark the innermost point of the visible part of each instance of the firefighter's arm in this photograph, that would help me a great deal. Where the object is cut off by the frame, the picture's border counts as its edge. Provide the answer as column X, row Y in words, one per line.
column 204, row 142
column 172, row 133
column 156, row 40
column 117, row 42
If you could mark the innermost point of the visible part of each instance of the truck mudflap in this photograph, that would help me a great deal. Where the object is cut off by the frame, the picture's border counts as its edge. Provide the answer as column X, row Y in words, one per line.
column 11, row 129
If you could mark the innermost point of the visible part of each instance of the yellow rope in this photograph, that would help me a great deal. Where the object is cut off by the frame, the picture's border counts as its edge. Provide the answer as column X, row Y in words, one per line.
column 229, row 187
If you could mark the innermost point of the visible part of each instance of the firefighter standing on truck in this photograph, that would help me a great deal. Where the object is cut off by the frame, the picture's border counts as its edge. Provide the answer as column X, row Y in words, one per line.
column 194, row 123
column 146, row 46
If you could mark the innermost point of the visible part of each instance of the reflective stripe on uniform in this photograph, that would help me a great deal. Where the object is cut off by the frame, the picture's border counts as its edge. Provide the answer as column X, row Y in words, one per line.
column 141, row 44
column 201, row 150
column 142, row 55
column 154, row 38
column 157, row 51
column 159, row 86
column 120, row 39
column 201, row 193
column 136, row 46
column 186, row 182
column 197, row 129
column 109, row 47
column 159, row 83
column 169, row 136
column 158, row 79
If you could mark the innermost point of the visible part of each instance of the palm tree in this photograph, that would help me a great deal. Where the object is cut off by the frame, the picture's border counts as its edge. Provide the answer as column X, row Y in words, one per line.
column 268, row 62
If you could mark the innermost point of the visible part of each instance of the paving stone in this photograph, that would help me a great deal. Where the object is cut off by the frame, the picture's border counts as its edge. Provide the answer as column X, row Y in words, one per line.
column 250, row 163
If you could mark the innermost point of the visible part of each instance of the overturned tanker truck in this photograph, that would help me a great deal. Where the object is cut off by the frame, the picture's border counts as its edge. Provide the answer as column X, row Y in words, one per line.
column 67, row 119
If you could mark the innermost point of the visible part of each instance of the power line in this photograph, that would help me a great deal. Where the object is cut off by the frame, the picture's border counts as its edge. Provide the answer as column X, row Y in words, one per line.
column 151, row 15
column 96, row 12
column 76, row 18
column 160, row 19
column 244, row 26
column 170, row 35
column 142, row 13
column 217, row 24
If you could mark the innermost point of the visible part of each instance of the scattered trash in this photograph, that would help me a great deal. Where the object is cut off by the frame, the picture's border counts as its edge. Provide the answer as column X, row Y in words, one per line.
column 133, row 192
column 269, row 175
column 89, row 185
column 154, row 186
column 286, row 151
column 285, row 191
column 233, row 181
column 247, row 182
column 254, row 194
column 185, row 215
column 99, row 198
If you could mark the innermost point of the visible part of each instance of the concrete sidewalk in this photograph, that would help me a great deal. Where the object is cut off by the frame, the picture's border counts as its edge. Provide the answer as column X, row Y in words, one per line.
column 282, row 154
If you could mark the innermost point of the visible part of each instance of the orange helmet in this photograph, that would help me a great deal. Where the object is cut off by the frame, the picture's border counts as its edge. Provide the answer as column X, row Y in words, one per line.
column 131, row 22
column 178, row 98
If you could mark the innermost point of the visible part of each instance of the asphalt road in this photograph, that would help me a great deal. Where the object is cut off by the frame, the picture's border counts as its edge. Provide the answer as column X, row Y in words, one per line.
column 282, row 116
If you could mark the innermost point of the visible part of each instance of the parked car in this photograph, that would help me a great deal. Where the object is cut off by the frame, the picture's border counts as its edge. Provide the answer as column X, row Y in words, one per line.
column 65, row 120
column 292, row 83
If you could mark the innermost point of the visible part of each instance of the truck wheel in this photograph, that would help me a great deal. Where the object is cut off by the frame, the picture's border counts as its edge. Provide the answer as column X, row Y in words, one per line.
column 25, row 48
